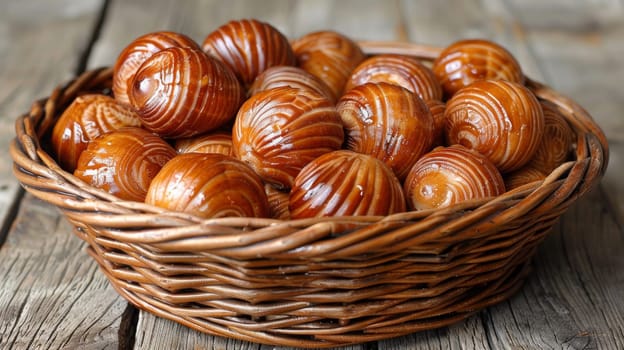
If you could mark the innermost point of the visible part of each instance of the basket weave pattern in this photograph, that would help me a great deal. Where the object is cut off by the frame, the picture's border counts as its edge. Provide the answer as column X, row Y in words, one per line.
column 314, row 282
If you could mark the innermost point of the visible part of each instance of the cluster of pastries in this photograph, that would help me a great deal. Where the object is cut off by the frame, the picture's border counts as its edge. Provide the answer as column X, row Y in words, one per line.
column 251, row 124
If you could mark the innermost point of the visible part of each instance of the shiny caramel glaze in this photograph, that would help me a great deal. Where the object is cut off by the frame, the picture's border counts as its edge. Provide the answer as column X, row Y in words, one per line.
column 294, row 77
column 278, row 131
column 387, row 122
column 345, row 183
column 249, row 47
column 437, row 107
column 329, row 56
column 450, row 175
column 523, row 176
column 182, row 92
column 209, row 185
column 87, row 117
column 557, row 142
column 399, row 70
column 133, row 55
column 278, row 202
column 500, row 119
column 124, row 162
column 466, row 61
column 216, row 142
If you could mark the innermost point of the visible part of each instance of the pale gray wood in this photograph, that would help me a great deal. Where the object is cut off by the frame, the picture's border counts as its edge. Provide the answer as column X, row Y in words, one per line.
column 355, row 18
column 358, row 19
column 53, row 295
column 40, row 47
column 580, row 47
column 154, row 333
column 127, row 20
column 469, row 334
column 575, row 297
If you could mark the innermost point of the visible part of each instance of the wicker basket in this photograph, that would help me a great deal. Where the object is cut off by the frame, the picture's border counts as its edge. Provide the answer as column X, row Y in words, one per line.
column 314, row 282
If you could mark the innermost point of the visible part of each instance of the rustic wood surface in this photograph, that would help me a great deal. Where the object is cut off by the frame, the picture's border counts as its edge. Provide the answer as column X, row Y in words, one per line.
column 53, row 296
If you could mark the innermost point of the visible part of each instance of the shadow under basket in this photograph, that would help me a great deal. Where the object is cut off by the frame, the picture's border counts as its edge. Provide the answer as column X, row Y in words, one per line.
column 320, row 282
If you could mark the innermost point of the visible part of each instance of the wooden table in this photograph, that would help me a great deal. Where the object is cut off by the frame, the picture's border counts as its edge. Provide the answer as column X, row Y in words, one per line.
column 52, row 295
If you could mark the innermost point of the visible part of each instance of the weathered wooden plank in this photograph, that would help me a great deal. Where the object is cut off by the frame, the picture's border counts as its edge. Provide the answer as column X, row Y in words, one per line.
column 53, row 296
column 198, row 18
column 32, row 61
column 575, row 297
column 128, row 20
column 580, row 46
column 154, row 333
column 360, row 20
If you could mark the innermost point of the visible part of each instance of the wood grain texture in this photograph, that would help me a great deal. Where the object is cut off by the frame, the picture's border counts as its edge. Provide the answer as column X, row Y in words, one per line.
column 574, row 297
column 154, row 333
column 580, row 52
column 26, row 28
column 53, row 296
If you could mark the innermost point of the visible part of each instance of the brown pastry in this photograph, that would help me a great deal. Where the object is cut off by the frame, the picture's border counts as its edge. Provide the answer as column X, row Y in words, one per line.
column 466, row 61
column 278, row 131
column 140, row 49
column 500, row 119
column 330, row 56
column 344, row 183
column 124, row 162
column 208, row 185
column 86, row 118
column 249, row 47
column 404, row 71
column 387, row 122
column 450, row 175
column 182, row 92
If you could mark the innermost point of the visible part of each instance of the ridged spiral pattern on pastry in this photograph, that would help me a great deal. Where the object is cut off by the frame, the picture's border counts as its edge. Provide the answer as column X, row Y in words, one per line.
column 500, row 119
column 329, row 56
column 182, row 92
column 141, row 48
column 209, row 185
column 387, row 122
column 124, row 162
column 556, row 144
column 249, row 47
column 217, row 142
column 466, row 61
column 278, row 131
column 399, row 70
column 278, row 202
column 345, row 183
column 294, row 77
column 450, row 175
column 87, row 117
column 437, row 107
